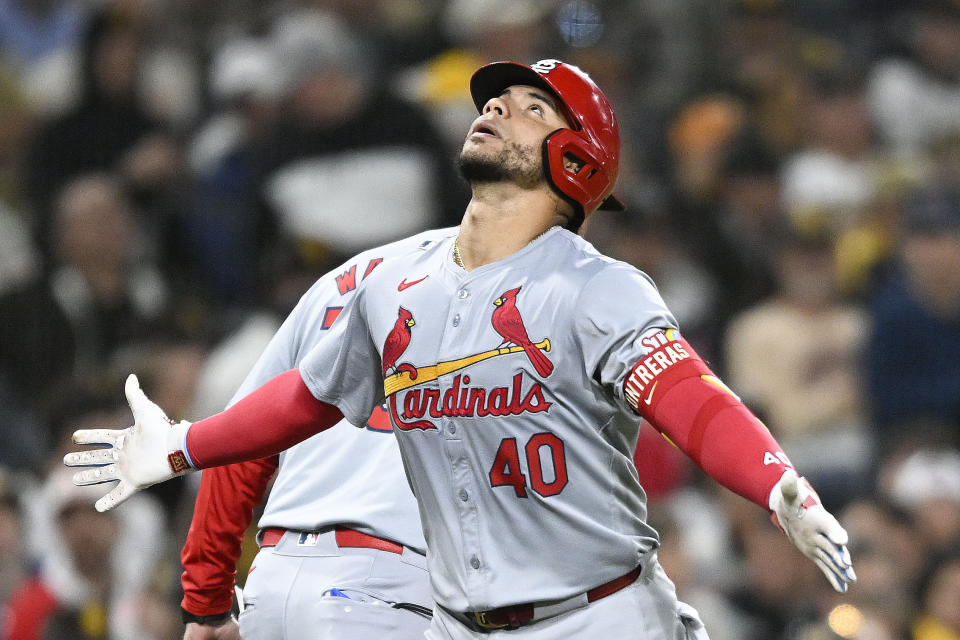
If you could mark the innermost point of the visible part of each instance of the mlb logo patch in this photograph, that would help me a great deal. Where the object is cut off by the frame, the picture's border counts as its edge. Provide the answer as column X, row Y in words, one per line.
column 307, row 540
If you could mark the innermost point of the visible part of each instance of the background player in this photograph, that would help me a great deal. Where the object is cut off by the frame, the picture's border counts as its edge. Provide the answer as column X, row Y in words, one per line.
column 337, row 502
column 531, row 509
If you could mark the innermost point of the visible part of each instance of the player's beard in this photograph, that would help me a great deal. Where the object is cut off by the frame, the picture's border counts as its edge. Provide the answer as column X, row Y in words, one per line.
column 516, row 163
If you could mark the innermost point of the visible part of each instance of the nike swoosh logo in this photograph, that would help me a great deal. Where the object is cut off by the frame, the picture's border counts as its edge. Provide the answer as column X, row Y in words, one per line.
column 649, row 397
column 404, row 284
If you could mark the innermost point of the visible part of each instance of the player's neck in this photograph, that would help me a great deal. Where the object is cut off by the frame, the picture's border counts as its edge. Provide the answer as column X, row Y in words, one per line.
column 496, row 229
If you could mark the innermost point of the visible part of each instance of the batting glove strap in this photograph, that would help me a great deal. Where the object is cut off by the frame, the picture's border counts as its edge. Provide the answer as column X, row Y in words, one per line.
column 151, row 451
column 212, row 620
column 797, row 510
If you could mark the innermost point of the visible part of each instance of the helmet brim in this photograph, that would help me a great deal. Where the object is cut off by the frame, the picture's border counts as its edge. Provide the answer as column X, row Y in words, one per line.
column 490, row 80
column 612, row 203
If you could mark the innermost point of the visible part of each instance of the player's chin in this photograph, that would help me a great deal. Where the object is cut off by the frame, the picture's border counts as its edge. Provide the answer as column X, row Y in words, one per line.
column 478, row 164
column 478, row 145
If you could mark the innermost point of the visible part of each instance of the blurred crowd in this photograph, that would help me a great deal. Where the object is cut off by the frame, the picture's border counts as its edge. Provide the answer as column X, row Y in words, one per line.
column 174, row 174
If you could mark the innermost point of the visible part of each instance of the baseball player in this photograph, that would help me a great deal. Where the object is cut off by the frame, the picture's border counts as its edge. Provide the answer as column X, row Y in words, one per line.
column 514, row 360
column 338, row 502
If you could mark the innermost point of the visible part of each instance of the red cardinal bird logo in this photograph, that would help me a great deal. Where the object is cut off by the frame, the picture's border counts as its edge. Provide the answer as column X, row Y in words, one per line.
column 396, row 344
column 508, row 323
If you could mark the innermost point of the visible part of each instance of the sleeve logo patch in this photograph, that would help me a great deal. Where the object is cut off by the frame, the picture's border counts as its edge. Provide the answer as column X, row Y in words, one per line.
column 663, row 351
column 178, row 462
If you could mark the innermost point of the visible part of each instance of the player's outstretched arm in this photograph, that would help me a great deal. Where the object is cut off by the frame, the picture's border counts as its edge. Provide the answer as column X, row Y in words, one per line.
column 679, row 395
column 154, row 450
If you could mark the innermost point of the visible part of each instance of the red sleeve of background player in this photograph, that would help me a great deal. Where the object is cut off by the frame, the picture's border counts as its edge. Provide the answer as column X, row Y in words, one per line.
column 221, row 515
column 28, row 610
column 674, row 390
column 270, row 419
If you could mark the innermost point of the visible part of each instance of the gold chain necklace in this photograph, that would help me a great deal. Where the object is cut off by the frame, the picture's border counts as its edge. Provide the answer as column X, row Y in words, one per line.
column 456, row 254
column 459, row 260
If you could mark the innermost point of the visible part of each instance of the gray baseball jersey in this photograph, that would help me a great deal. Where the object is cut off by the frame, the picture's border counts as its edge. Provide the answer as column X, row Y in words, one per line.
column 346, row 476
column 505, row 387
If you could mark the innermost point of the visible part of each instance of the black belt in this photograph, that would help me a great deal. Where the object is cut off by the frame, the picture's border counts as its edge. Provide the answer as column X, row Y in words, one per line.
column 518, row 615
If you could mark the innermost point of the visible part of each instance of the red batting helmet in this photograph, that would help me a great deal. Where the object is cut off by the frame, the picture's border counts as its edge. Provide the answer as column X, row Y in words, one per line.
column 594, row 136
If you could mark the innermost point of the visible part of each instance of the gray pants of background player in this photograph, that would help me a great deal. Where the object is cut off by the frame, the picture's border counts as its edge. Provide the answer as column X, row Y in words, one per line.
column 647, row 609
column 287, row 595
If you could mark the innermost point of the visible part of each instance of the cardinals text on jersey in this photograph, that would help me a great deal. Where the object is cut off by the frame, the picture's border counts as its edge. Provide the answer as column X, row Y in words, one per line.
column 418, row 406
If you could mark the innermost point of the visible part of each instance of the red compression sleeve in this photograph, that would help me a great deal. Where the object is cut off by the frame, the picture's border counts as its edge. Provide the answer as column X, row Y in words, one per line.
column 275, row 417
column 221, row 515
column 677, row 393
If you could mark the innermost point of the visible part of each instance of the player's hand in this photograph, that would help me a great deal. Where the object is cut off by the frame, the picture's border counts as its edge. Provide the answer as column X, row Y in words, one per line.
column 226, row 630
column 812, row 529
column 149, row 452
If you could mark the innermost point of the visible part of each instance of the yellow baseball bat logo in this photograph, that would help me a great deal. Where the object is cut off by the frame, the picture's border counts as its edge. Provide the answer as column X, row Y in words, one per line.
column 404, row 379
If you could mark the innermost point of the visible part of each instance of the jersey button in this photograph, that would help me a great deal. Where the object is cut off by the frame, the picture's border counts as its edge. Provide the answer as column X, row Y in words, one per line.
column 463, row 294
column 451, row 428
column 464, row 495
column 456, row 320
column 475, row 562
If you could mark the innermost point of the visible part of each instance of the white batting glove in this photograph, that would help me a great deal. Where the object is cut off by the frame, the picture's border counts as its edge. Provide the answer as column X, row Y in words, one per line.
column 798, row 512
column 149, row 452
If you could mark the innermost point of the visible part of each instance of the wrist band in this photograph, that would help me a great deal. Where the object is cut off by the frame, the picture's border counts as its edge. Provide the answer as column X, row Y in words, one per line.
column 214, row 619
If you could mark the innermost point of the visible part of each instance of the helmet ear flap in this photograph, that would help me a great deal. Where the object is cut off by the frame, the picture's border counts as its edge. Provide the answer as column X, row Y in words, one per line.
column 573, row 169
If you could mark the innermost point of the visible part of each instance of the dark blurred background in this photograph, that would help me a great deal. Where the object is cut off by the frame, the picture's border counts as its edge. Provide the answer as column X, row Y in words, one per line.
column 174, row 175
